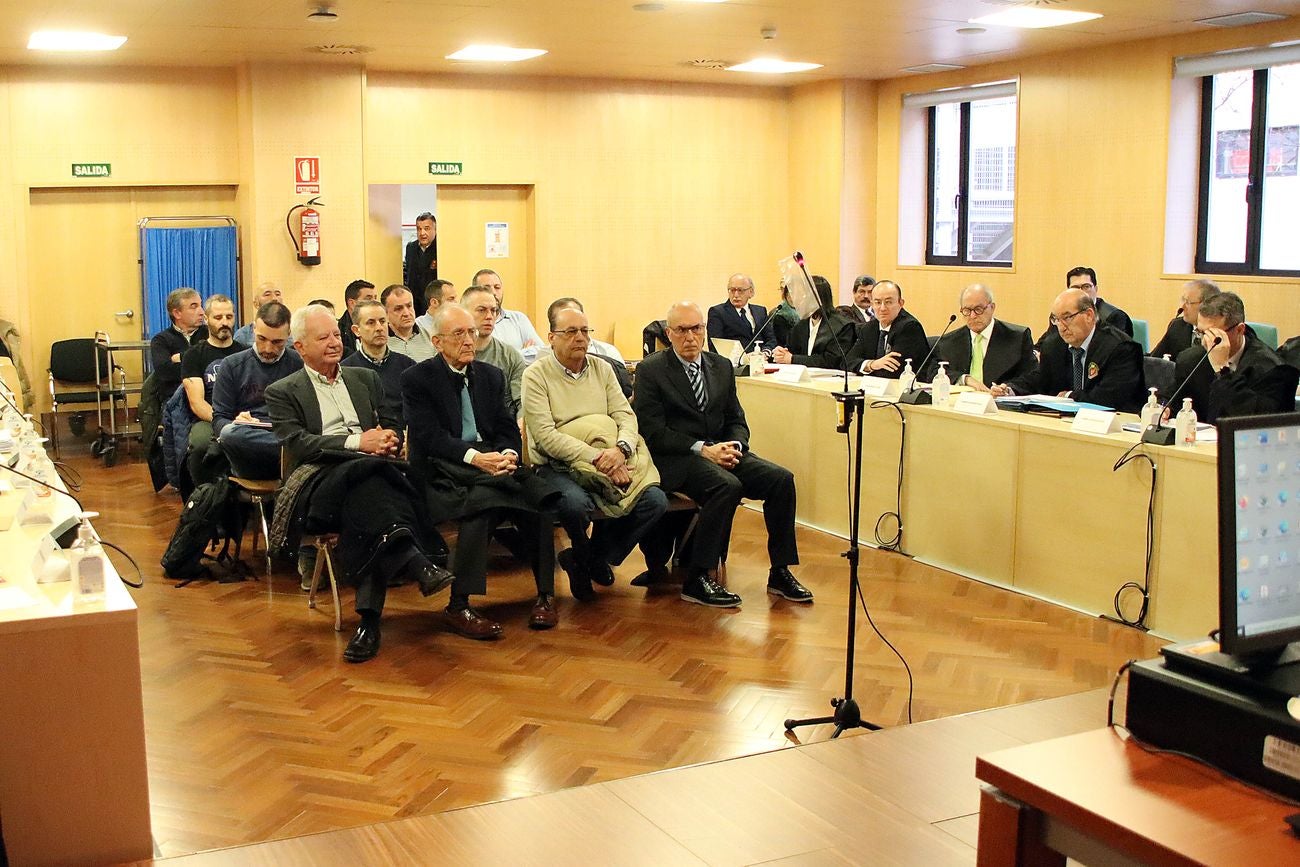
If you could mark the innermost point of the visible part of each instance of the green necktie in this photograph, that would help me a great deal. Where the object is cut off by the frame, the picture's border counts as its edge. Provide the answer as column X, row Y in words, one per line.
column 977, row 359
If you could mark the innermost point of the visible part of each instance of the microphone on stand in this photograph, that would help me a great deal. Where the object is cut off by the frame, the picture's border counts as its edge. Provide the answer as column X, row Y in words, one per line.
column 1164, row 436
column 916, row 395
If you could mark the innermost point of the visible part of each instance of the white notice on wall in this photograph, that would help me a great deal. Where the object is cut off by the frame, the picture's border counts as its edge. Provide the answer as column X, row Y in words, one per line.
column 498, row 240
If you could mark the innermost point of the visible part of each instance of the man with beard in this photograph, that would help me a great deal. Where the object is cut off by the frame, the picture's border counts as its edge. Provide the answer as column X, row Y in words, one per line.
column 240, row 418
column 199, row 368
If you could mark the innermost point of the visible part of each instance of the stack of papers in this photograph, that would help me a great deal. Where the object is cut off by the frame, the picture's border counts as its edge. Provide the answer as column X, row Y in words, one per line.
column 1048, row 404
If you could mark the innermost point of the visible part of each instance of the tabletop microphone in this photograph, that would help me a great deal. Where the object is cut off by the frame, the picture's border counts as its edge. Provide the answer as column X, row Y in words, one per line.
column 916, row 395
column 1164, row 436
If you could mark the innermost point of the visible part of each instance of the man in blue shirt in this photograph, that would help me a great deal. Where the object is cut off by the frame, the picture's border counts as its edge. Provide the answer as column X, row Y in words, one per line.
column 240, row 418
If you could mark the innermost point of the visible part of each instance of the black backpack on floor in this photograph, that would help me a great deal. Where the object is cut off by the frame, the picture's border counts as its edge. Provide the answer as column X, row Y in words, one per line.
column 210, row 516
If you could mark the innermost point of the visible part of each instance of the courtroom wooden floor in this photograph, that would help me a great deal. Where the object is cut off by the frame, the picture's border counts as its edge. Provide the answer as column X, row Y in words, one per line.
column 257, row 730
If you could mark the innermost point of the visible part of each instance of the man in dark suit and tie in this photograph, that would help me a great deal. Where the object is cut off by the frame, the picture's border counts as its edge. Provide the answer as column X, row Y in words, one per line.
column 886, row 342
column 695, row 428
column 984, row 351
column 1085, row 278
column 329, row 418
column 1242, row 376
column 819, row 340
column 466, row 445
column 860, row 309
column 736, row 318
column 1179, row 335
column 1084, row 361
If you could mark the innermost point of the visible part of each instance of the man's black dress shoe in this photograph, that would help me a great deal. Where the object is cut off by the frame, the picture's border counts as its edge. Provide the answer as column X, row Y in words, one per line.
column 651, row 576
column 432, row 578
column 703, row 590
column 781, row 583
column 364, row 645
column 602, row 573
column 579, row 580
column 439, row 553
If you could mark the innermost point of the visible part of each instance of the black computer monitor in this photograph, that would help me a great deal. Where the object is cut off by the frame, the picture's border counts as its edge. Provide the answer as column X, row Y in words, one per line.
column 1259, row 536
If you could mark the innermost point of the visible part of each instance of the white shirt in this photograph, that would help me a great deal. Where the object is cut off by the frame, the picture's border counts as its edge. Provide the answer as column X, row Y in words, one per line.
column 814, row 324
column 515, row 329
column 337, row 414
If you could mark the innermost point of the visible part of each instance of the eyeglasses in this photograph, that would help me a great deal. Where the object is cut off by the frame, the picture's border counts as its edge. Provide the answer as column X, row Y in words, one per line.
column 683, row 330
column 1184, row 302
column 1066, row 319
column 1086, row 285
column 975, row 311
column 571, row 333
column 883, row 302
column 460, row 334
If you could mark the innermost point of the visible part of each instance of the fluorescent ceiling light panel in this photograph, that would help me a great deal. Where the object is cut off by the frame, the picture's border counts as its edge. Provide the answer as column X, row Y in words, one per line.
column 772, row 66
column 1032, row 17
column 70, row 40
column 496, row 54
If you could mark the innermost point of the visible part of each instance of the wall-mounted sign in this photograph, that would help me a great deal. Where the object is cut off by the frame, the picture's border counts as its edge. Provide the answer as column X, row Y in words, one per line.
column 92, row 170
column 306, row 175
column 446, row 168
column 498, row 240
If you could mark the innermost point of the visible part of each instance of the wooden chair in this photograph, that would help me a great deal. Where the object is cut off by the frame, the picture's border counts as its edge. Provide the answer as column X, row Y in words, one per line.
column 324, row 545
column 256, row 492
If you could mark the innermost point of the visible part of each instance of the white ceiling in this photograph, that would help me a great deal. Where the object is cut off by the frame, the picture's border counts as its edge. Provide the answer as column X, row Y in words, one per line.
column 594, row 38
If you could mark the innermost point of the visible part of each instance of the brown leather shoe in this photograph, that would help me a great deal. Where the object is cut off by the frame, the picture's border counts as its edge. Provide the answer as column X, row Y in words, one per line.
column 544, row 615
column 471, row 624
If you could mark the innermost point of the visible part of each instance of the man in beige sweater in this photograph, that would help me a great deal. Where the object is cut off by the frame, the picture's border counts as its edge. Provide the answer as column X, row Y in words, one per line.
column 583, row 435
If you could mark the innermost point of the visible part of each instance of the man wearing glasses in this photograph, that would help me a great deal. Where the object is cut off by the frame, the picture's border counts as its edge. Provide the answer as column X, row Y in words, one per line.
column 465, row 446
column 736, row 318
column 891, row 338
column 513, row 328
column 583, row 435
column 1242, row 375
column 483, row 309
column 1085, row 278
column 1179, row 336
column 1084, row 360
column 985, row 350
column 692, row 420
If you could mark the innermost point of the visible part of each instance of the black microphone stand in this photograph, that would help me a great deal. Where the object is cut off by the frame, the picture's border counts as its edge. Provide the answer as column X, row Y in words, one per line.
column 847, row 714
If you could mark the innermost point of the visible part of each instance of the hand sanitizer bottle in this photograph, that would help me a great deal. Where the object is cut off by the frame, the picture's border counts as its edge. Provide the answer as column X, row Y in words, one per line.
column 907, row 378
column 942, row 385
column 1185, row 425
column 1151, row 411
column 757, row 360
column 86, row 559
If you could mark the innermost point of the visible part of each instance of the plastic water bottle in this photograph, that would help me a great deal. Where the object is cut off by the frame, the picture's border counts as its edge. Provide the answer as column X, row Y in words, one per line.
column 757, row 360
column 86, row 559
column 942, row 385
column 1151, row 411
column 1185, row 424
column 907, row 378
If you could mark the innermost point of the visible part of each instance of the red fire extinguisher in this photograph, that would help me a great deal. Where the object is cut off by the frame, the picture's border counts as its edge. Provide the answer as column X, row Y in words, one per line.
column 308, row 230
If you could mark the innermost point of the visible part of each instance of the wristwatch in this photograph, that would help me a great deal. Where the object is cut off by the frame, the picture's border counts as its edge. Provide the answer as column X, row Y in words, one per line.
column 625, row 449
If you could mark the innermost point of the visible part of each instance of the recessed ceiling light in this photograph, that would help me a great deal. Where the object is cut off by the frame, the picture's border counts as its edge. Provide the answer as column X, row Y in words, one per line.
column 70, row 40
column 932, row 67
column 496, row 53
column 1240, row 19
column 773, row 66
column 1032, row 17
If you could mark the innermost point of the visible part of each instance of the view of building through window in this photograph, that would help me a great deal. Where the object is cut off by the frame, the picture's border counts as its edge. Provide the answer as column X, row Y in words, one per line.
column 972, row 181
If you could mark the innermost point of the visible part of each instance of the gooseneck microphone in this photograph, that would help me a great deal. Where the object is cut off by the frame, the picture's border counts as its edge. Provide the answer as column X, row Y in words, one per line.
column 826, row 311
column 1164, row 436
column 916, row 395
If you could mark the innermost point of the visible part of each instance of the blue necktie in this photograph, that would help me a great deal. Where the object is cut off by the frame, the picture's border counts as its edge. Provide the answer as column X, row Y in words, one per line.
column 697, row 384
column 468, row 429
column 1078, row 367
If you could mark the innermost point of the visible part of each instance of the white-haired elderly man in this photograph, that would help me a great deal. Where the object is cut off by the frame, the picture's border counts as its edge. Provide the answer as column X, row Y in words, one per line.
column 333, row 423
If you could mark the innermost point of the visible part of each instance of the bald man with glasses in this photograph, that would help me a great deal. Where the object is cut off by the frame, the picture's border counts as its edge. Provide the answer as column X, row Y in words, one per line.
column 986, row 349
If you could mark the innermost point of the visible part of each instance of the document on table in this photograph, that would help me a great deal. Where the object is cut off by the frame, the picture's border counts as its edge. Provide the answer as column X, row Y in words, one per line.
column 1047, row 403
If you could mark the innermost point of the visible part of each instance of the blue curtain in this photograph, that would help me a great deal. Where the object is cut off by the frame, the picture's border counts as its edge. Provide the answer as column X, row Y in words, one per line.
column 204, row 259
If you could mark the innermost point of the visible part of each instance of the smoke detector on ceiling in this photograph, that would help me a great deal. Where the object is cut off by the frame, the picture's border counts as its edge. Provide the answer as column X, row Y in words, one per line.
column 707, row 64
column 323, row 14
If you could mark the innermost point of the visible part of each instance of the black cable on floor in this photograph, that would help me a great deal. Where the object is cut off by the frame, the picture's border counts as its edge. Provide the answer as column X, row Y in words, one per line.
column 132, row 562
column 896, row 543
column 1144, row 588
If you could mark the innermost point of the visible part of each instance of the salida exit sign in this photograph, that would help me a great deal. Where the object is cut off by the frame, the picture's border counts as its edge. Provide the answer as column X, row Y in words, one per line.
column 92, row 170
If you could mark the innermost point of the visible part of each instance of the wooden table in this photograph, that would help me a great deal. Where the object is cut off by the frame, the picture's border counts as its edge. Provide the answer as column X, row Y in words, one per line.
column 73, row 781
column 1098, row 797
column 1015, row 500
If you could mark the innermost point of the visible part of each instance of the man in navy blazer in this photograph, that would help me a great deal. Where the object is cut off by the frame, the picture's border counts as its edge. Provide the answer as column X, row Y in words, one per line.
column 985, row 351
column 736, row 318
column 691, row 419
column 1085, row 360
column 465, row 445
column 888, row 341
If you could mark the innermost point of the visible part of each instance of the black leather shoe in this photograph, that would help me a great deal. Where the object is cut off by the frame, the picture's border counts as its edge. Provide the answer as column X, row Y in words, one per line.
column 364, row 645
column 439, row 553
column 651, row 576
column 703, row 590
column 602, row 574
column 432, row 578
column 579, row 580
column 781, row 583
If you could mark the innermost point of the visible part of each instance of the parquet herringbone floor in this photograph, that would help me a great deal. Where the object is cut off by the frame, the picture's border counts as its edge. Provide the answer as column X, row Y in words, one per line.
column 256, row 729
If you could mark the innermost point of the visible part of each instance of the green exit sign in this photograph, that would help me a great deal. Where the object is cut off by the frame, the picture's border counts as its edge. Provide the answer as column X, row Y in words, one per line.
column 92, row 170
column 445, row 168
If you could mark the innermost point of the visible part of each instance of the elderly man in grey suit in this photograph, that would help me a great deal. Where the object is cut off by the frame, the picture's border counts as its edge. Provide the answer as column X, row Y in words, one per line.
column 985, row 350
column 332, row 421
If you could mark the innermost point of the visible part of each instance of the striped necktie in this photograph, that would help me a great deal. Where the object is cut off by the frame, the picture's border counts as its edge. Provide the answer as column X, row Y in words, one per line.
column 697, row 384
